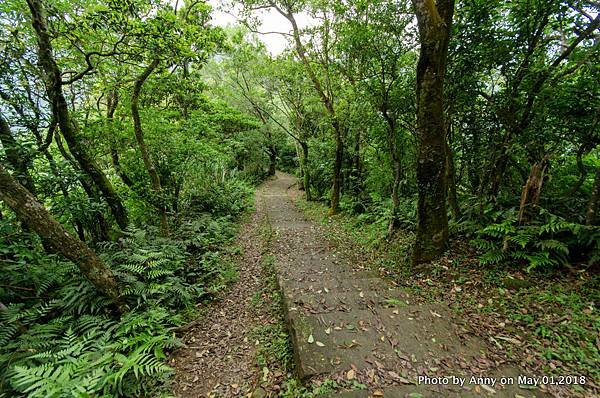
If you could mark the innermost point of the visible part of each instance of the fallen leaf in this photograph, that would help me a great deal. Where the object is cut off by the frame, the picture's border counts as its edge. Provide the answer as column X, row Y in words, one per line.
column 311, row 339
column 320, row 344
column 394, row 375
column 328, row 331
column 378, row 393
column 351, row 374
column 488, row 389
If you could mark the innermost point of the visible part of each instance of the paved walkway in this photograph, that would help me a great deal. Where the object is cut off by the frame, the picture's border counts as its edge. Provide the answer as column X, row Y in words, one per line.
column 348, row 324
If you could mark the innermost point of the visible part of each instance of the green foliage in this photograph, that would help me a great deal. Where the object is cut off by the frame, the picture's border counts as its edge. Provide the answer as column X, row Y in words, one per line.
column 65, row 341
column 549, row 243
column 229, row 196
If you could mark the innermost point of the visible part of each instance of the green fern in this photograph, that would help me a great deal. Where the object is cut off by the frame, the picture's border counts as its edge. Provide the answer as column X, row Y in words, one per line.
column 67, row 342
column 535, row 246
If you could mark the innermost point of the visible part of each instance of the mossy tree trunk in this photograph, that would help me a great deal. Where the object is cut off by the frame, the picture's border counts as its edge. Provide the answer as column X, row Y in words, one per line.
column 30, row 211
column 139, row 136
column 60, row 110
column 434, row 21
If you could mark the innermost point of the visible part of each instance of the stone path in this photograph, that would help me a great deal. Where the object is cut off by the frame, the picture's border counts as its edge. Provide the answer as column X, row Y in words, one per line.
column 347, row 323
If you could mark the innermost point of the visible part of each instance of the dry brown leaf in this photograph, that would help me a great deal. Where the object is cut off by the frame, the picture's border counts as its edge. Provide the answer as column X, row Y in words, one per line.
column 351, row 374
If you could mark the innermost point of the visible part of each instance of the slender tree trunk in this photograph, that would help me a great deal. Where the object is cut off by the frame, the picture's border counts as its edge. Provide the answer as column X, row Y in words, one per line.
column 64, row 189
column 327, row 102
column 434, row 22
column 334, row 205
column 356, row 169
column 451, row 182
column 272, row 160
column 305, row 172
column 396, row 170
column 98, row 230
column 33, row 213
column 111, row 107
column 61, row 112
column 395, row 222
column 591, row 217
column 301, row 161
column 499, row 167
column 139, row 136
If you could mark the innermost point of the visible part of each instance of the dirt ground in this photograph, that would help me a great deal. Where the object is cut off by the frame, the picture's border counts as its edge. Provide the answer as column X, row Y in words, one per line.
column 218, row 359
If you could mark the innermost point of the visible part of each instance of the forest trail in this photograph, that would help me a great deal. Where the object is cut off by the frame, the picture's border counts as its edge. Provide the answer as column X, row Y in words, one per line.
column 348, row 324
column 345, row 322
column 218, row 357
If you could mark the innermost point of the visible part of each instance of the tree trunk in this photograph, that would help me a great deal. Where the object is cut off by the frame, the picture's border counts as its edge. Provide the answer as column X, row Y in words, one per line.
column 272, row 160
column 20, row 163
column 334, row 205
column 301, row 161
column 139, row 136
column 451, row 181
column 434, row 22
column 396, row 170
column 591, row 217
column 305, row 172
column 61, row 112
column 530, row 196
column 33, row 213
column 500, row 166
column 326, row 100
column 98, row 230
column 356, row 169
column 17, row 160
column 111, row 107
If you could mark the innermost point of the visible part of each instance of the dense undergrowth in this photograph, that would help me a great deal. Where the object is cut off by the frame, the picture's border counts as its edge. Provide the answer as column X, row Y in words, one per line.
column 533, row 302
column 60, row 338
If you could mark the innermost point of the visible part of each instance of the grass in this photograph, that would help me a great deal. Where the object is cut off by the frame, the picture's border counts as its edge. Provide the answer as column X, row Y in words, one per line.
column 273, row 340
